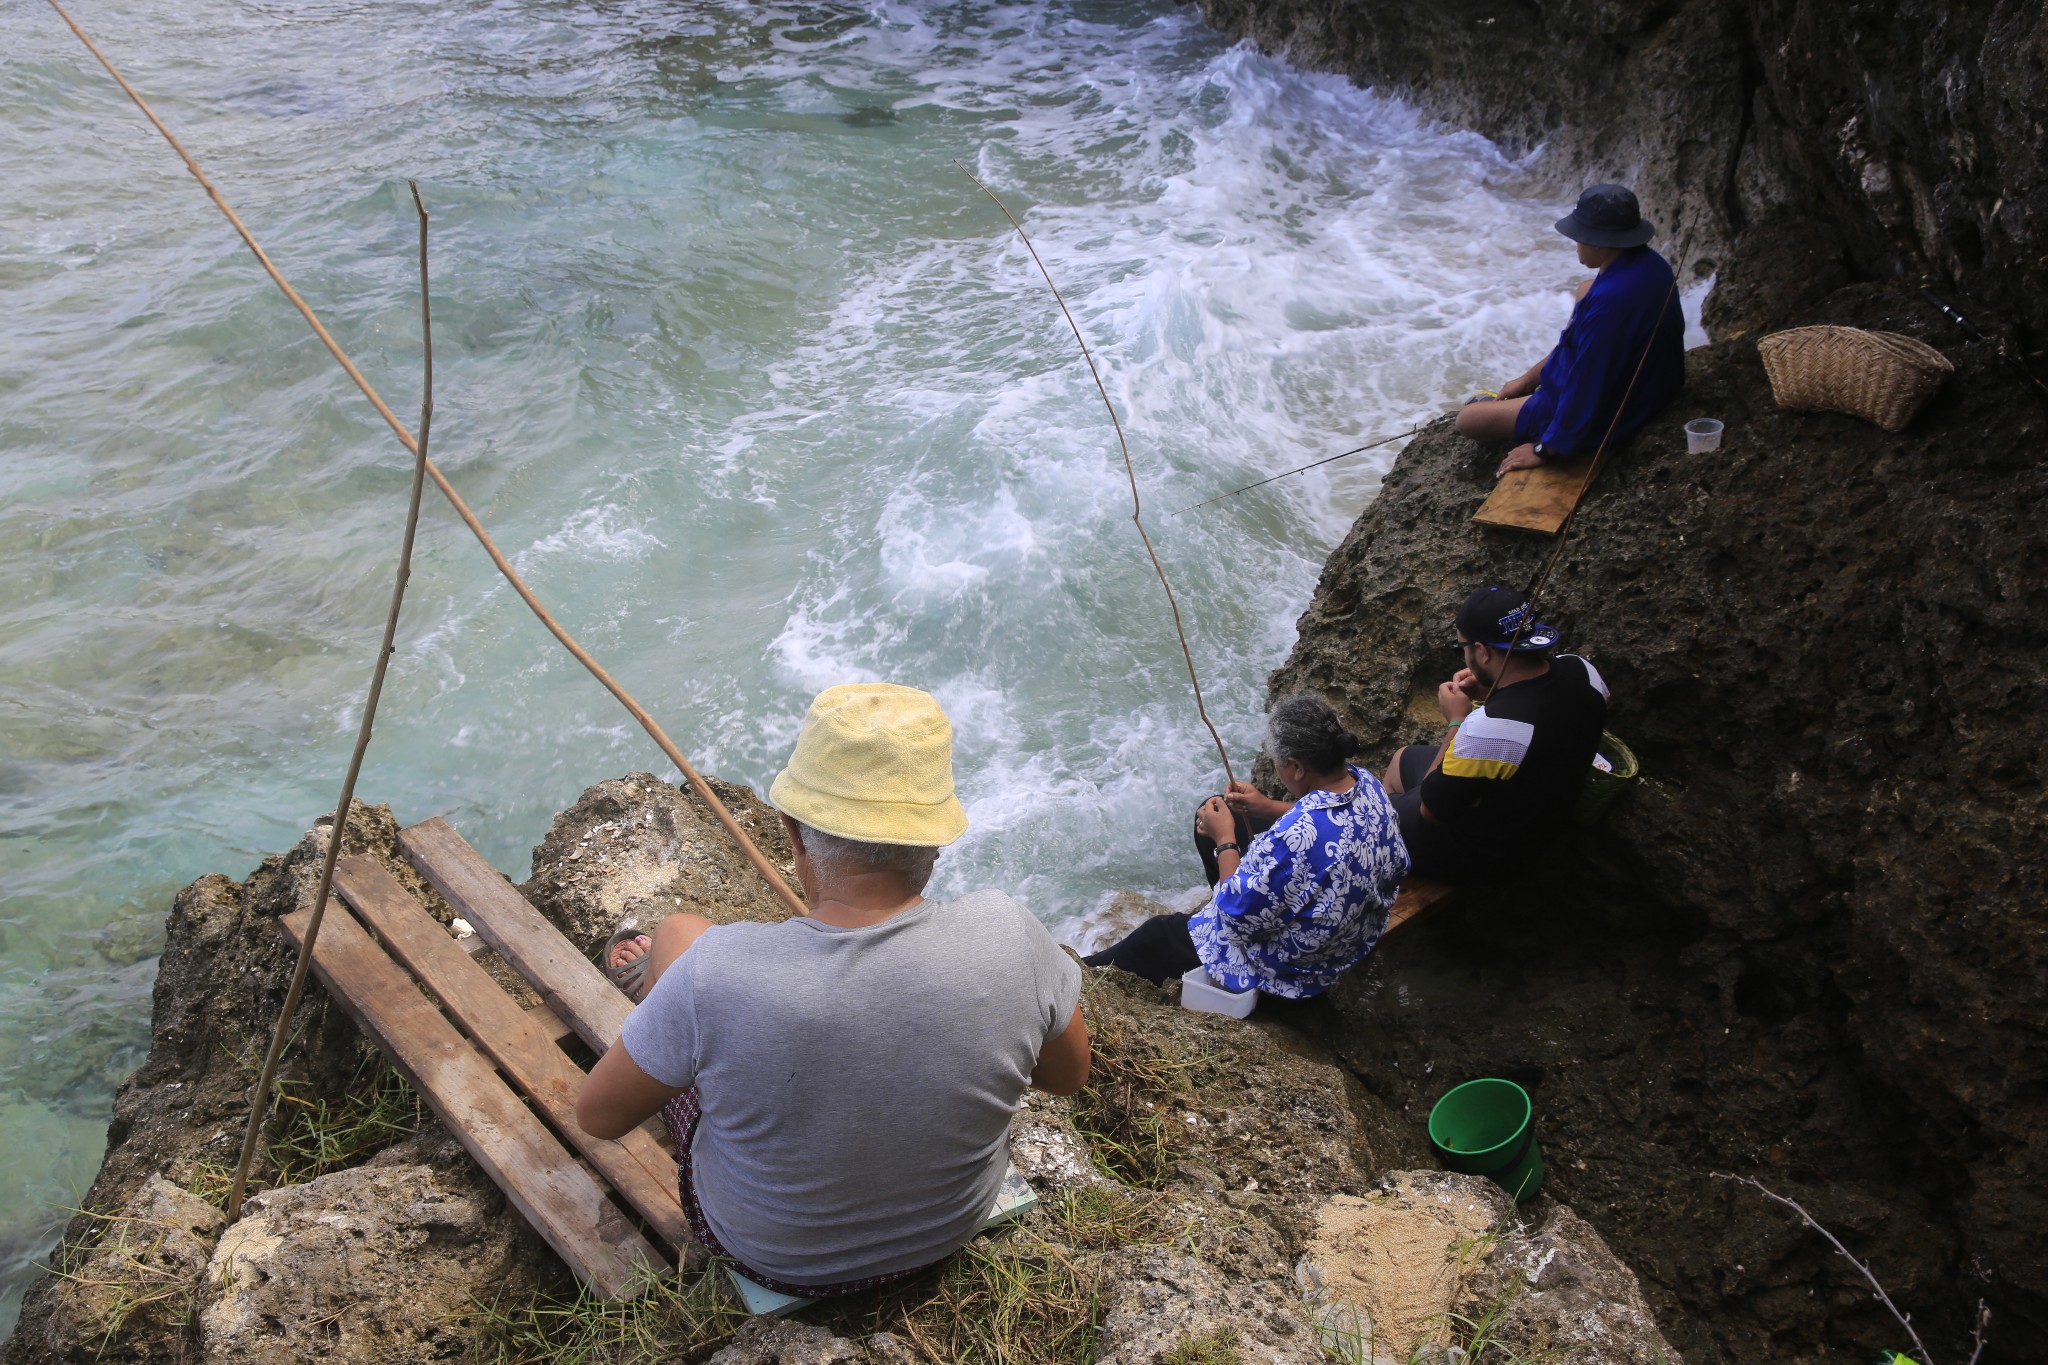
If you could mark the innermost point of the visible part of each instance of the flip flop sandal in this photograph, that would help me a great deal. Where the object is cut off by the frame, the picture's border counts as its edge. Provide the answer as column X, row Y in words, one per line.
column 630, row 977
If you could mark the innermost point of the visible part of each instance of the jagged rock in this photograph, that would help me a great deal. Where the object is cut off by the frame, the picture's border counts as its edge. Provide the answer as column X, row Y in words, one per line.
column 1043, row 1143
column 886, row 1348
column 1163, row 1301
column 637, row 846
column 1806, row 945
column 1909, row 131
column 1566, row 1292
column 376, row 1264
column 137, row 1279
column 219, row 985
column 776, row 1341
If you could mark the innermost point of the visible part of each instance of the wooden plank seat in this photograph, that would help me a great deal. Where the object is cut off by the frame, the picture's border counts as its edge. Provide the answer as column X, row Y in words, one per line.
column 1418, row 898
column 1536, row 499
column 634, row 1166
column 572, row 986
column 559, row 1196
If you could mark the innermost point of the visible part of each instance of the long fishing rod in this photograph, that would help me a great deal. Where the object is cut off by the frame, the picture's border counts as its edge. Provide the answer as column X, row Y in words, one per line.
column 1130, row 470
column 282, row 1031
column 1970, row 330
column 1317, row 464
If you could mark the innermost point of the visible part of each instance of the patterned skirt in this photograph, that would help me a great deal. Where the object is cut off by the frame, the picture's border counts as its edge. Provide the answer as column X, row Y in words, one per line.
column 681, row 1114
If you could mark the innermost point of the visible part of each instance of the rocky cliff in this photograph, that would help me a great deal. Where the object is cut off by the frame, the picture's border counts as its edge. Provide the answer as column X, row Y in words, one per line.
column 1222, row 1193
column 1809, row 947
column 1910, row 132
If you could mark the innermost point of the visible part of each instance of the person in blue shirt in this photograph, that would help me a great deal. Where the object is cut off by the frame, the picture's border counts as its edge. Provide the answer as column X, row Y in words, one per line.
column 1301, row 903
column 1627, row 316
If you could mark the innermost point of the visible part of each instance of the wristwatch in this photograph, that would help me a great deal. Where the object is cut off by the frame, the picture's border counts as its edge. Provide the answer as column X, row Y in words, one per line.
column 1227, row 848
column 1540, row 451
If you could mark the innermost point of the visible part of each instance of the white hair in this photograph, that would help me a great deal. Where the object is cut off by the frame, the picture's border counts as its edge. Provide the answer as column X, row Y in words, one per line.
column 834, row 856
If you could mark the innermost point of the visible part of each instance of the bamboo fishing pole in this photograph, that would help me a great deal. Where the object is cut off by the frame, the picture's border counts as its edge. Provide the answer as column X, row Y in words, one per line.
column 258, row 1104
column 1130, row 470
column 639, row 713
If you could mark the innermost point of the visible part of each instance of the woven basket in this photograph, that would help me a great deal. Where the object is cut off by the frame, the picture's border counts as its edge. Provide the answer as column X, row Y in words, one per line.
column 1881, row 377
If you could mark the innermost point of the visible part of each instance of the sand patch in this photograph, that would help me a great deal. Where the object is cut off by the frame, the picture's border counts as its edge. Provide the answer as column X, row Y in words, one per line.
column 1386, row 1269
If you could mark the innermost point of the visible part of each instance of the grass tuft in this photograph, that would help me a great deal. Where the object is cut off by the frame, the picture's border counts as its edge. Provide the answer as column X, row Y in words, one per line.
column 1124, row 1113
column 1014, row 1299
column 121, row 1268
column 1211, row 1348
column 673, row 1319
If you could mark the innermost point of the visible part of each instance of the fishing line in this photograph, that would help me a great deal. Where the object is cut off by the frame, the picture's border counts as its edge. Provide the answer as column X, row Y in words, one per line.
column 1130, row 469
column 1370, row 445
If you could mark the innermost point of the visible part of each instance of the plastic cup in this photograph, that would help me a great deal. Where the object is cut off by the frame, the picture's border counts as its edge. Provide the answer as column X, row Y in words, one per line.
column 1702, row 434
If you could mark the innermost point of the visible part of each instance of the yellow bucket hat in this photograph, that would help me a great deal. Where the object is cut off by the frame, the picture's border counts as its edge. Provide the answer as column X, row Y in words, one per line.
column 873, row 762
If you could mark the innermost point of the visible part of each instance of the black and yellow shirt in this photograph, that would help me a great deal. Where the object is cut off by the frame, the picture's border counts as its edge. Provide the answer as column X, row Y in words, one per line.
column 1516, row 764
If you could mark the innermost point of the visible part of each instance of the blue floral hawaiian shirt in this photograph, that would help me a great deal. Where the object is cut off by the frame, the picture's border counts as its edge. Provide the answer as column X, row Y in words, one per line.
column 1310, row 897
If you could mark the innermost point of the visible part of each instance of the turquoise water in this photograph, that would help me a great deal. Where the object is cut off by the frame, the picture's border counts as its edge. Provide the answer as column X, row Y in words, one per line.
column 759, row 391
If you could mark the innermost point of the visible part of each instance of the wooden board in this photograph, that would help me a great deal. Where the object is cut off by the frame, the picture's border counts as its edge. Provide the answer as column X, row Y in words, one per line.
column 562, row 1200
column 634, row 1165
column 1536, row 499
column 1419, row 896
column 571, row 984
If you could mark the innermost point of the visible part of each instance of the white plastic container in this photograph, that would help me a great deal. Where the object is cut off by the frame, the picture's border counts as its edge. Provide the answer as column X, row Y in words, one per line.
column 1198, row 992
column 1702, row 434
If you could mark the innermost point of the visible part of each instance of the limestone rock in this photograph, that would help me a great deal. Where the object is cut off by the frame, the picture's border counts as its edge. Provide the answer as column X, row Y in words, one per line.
column 638, row 847
column 1908, row 131
column 137, row 1281
column 376, row 1264
column 776, row 1341
column 1566, row 1291
column 1043, row 1143
column 1163, row 1301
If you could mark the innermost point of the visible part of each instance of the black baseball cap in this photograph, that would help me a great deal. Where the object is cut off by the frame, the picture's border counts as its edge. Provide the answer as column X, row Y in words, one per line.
column 1494, row 616
column 1607, row 215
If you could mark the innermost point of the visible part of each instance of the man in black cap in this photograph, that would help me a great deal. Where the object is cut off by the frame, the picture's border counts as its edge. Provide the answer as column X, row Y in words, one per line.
column 1627, row 316
column 1523, row 731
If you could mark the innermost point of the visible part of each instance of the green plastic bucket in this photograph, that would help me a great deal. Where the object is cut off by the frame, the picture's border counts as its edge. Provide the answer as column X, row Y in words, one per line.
column 1488, row 1127
column 1603, row 786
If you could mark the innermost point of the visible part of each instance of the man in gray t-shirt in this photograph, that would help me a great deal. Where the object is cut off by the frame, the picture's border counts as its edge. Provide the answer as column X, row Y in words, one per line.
column 857, row 1069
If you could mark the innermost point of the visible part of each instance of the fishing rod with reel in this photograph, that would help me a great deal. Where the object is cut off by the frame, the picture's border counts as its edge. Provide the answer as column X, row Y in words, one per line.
column 1975, row 333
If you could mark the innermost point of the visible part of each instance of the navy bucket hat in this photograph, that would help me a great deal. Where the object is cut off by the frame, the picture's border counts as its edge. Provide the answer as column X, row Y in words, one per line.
column 1495, row 616
column 1607, row 215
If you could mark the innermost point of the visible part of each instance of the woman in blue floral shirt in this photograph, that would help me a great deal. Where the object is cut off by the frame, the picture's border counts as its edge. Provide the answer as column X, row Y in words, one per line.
column 1298, row 905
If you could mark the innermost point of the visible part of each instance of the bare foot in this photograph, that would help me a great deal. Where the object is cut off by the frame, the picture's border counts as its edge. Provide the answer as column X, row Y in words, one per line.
column 624, row 954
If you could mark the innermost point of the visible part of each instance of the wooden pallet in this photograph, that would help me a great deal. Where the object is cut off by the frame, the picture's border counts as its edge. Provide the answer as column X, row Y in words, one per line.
column 493, row 1072
column 1536, row 499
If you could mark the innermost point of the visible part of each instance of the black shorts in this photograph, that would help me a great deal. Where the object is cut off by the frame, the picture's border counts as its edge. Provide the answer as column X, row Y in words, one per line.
column 1432, row 849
